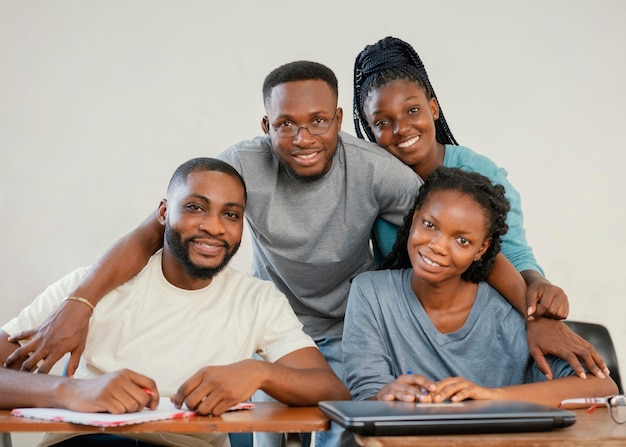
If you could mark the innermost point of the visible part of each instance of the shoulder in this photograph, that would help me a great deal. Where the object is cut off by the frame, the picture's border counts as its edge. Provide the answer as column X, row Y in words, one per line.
column 465, row 158
column 368, row 160
column 491, row 306
column 248, row 150
column 366, row 150
column 384, row 280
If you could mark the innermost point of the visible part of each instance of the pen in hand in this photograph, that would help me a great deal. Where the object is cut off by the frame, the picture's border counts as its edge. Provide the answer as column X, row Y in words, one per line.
column 423, row 390
column 148, row 391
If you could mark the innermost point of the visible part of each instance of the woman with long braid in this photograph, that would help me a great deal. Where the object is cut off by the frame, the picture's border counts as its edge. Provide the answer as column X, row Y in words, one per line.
column 396, row 106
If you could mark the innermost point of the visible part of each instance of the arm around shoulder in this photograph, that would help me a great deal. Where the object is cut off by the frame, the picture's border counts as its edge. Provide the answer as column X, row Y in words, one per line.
column 65, row 330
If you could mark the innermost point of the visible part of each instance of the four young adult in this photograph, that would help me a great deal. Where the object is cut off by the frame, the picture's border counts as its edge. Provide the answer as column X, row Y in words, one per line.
column 314, row 196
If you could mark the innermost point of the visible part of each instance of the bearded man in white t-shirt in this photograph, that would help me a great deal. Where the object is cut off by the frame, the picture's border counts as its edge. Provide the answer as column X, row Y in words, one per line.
column 185, row 327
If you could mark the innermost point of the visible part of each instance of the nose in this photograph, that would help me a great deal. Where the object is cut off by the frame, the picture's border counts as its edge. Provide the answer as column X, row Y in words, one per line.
column 212, row 224
column 437, row 244
column 303, row 137
column 400, row 126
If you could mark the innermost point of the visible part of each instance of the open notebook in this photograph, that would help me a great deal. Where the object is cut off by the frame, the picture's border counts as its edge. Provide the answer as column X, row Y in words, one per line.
column 389, row 418
column 166, row 410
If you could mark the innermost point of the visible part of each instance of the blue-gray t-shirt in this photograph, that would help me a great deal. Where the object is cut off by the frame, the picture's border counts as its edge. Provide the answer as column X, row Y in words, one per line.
column 387, row 332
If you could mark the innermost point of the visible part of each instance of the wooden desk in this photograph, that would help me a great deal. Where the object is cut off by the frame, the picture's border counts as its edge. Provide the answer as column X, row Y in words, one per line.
column 590, row 430
column 265, row 417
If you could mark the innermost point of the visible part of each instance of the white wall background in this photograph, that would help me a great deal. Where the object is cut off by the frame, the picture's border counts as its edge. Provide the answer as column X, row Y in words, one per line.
column 101, row 101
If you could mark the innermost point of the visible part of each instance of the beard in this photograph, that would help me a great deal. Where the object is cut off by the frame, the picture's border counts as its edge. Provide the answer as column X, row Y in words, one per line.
column 180, row 250
column 301, row 178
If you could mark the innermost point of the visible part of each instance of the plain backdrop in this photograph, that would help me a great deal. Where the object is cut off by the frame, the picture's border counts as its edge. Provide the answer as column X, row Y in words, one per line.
column 101, row 100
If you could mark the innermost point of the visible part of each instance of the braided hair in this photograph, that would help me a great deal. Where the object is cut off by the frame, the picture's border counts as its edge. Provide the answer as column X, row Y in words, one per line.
column 491, row 199
column 391, row 59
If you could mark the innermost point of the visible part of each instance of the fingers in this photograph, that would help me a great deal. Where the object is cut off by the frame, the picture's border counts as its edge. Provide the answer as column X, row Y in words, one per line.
column 30, row 364
column 592, row 360
column 73, row 362
column 408, row 388
column 453, row 388
column 49, row 360
column 127, row 391
column 24, row 335
column 183, row 392
column 145, row 387
column 541, row 362
column 547, row 300
column 17, row 357
column 531, row 302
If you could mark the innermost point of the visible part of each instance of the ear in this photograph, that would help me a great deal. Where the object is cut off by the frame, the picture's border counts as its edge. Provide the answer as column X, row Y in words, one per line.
column 434, row 108
column 339, row 118
column 162, row 211
column 483, row 249
column 265, row 125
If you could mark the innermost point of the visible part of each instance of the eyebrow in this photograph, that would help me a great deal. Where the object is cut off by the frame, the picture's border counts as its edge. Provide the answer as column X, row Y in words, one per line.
column 207, row 200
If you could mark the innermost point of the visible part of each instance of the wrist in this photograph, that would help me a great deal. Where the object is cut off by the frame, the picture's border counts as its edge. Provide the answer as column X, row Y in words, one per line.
column 61, row 392
column 84, row 301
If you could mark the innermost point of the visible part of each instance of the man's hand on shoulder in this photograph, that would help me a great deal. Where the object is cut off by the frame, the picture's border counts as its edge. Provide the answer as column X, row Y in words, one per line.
column 65, row 330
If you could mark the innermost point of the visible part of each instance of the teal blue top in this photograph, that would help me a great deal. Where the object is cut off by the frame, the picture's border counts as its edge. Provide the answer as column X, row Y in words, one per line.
column 514, row 245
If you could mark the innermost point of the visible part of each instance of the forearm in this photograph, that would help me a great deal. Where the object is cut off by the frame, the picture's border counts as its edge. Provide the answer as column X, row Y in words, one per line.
column 508, row 281
column 530, row 276
column 22, row 389
column 552, row 392
column 123, row 261
column 303, row 387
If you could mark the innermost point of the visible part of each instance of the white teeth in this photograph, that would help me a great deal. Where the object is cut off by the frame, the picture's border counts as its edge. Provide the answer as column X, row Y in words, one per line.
column 429, row 262
column 307, row 156
column 207, row 245
column 411, row 142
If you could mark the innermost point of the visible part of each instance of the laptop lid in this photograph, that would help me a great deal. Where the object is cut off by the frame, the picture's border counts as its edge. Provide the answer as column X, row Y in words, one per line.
column 391, row 418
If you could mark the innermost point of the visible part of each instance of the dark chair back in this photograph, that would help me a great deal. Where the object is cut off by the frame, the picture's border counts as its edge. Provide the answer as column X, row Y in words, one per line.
column 599, row 337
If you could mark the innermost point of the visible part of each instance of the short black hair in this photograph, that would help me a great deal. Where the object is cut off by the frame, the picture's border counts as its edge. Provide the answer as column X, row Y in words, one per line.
column 489, row 196
column 181, row 174
column 299, row 71
column 388, row 60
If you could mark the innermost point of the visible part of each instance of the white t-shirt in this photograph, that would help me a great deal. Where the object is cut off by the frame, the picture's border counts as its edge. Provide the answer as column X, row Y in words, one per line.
column 168, row 334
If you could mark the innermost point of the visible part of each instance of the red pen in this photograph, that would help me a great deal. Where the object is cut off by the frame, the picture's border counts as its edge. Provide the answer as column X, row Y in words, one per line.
column 148, row 391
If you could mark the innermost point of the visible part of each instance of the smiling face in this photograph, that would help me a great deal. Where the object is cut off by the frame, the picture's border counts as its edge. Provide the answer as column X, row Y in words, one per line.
column 448, row 233
column 301, row 103
column 402, row 119
column 203, row 227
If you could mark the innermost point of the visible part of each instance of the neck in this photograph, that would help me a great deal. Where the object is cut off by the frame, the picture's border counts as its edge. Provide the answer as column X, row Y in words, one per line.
column 432, row 162
column 176, row 275
column 447, row 304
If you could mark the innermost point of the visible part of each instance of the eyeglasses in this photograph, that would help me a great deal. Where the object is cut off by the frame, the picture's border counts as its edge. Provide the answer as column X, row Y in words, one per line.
column 615, row 404
column 319, row 126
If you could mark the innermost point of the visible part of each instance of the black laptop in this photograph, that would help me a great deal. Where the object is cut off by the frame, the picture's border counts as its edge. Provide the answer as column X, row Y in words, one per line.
column 391, row 418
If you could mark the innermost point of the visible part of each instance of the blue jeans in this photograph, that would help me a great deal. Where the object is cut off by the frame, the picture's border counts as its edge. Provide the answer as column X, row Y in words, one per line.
column 330, row 347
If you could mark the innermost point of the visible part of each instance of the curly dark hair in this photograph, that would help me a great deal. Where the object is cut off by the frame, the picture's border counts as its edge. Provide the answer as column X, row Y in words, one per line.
column 489, row 196
column 391, row 59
